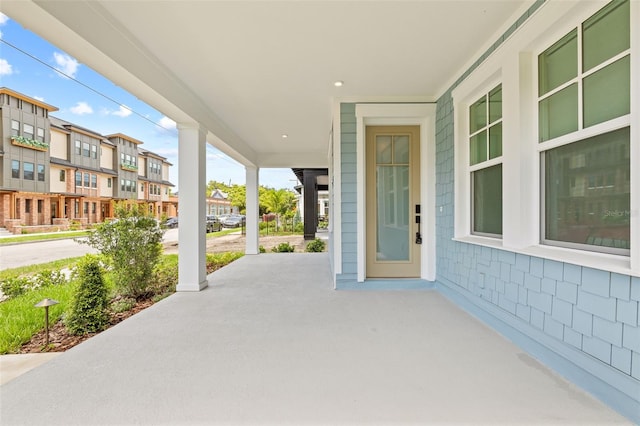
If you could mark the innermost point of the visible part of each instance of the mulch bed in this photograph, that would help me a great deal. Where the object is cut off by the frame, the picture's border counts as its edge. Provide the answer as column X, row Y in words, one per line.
column 60, row 340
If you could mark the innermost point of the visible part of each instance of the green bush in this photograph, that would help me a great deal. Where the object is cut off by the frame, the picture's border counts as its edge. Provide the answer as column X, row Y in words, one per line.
column 165, row 276
column 132, row 245
column 283, row 248
column 216, row 261
column 122, row 304
column 13, row 287
column 88, row 312
column 316, row 246
column 261, row 249
column 48, row 278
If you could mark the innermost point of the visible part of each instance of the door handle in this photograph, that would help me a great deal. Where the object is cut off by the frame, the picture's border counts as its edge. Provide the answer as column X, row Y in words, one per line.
column 418, row 235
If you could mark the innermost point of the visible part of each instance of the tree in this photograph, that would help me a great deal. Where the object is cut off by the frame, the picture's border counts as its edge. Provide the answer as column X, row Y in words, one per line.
column 238, row 196
column 132, row 245
column 88, row 313
column 279, row 201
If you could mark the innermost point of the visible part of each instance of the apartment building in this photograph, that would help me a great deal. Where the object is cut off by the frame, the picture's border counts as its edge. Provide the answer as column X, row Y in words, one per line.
column 56, row 175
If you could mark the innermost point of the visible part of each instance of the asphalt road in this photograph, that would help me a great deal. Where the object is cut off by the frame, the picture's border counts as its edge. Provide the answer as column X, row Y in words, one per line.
column 15, row 255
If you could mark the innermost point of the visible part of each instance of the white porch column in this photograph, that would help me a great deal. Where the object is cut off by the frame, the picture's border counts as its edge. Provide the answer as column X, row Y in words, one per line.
column 252, row 229
column 192, row 274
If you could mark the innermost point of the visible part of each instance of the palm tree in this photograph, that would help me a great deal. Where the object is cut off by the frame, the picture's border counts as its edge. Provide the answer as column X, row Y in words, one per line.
column 278, row 201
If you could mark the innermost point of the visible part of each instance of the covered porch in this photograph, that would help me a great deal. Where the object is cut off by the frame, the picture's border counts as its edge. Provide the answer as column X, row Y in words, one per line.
column 261, row 348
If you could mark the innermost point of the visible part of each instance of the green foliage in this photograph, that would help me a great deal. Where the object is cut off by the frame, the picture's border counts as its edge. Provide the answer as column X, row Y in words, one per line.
column 88, row 312
column 165, row 275
column 283, row 248
column 216, row 261
column 16, row 285
column 122, row 304
column 13, row 287
column 261, row 249
column 132, row 245
column 316, row 246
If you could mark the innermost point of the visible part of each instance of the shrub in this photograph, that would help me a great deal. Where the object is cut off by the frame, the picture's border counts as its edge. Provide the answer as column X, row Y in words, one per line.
column 316, row 246
column 165, row 276
column 13, row 287
column 122, row 304
column 283, row 248
column 216, row 261
column 132, row 244
column 261, row 249
column 48, row 278
column 88, row 312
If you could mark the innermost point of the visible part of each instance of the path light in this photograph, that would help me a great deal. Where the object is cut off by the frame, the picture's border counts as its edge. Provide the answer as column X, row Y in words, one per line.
column 45, row 303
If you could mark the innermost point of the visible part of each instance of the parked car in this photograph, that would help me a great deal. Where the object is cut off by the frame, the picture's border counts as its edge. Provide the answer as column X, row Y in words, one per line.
column 233, row 221
column 213, row 224
column 172, row 222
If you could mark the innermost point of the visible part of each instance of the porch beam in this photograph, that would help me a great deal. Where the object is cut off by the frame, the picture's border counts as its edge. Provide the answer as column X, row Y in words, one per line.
column 191, row 238
column 252, row 209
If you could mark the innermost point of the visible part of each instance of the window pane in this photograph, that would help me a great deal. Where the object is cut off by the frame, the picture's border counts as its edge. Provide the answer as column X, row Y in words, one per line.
column 41, row 172
column 605, row 34
column 15, row 169
column 487, row 200
column 478, row 115
column 78, row 178
column 558, row 64
column 86, row 180
column 607, row 93
column 587, row 191
column 558, row 114
column 393, row 213
column 383, row 149
column 495, row 104
column 478, row 148
column 27, row 171
column 495, row 141
column 401, row 149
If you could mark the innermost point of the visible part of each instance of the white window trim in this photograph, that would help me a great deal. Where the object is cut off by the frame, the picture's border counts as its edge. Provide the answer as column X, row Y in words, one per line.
column 422, row 115
column 515, row 64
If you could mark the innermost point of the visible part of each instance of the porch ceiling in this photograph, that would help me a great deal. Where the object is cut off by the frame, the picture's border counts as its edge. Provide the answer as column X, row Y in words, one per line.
column 251, row 71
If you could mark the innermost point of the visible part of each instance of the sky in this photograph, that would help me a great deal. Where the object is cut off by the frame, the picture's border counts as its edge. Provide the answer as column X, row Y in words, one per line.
column 83, row 97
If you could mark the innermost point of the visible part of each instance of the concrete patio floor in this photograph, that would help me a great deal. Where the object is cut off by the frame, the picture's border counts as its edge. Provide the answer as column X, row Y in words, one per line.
column 270, row 342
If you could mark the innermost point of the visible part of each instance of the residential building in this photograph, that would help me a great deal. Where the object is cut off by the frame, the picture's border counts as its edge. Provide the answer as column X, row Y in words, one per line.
column 59, row 175
column 219, row 204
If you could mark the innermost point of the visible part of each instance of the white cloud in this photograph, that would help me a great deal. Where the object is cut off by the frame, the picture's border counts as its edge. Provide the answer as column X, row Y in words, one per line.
column 66, row 64
column 39, row 98
column 81, row 108
column 123, row 111
column 3, row 18
column 167, row 123
column 5, row 67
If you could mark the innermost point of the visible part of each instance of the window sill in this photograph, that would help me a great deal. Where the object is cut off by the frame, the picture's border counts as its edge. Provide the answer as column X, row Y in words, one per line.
column 606, row 262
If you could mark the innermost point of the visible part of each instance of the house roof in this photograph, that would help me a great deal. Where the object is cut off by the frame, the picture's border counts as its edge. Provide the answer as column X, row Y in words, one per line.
column 252, row 71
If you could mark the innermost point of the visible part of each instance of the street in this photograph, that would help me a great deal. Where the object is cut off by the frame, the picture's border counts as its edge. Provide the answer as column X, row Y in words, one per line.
column 13, row 256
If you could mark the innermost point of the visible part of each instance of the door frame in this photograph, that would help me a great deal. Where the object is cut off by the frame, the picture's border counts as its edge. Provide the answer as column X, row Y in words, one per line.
column 423, row 115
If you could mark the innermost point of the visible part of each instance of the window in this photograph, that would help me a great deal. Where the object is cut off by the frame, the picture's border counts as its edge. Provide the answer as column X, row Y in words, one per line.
column 127, row 159
column 27, row 171
column 27, row 131
column 78, row 179
column 62, row 175
column 86, row 180
column 40, row 206
column 40, row 172
column 485, row 152
column 15, row 169
column 27, row 205
column 94, row 151
column 122, row 186
column 15, row 128
column 586, row 180
column 142, row 187
column 85, row 210
column 93, row 208
column 85, row 149
column 94, row 181
column 108, row 182
column 40, row 134
column 78, row 149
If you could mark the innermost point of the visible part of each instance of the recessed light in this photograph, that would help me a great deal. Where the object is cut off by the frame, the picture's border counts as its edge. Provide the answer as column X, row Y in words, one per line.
column 338, row 83
column 284, row 136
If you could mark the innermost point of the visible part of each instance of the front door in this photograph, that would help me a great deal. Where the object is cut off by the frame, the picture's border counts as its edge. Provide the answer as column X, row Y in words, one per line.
column 392, row 201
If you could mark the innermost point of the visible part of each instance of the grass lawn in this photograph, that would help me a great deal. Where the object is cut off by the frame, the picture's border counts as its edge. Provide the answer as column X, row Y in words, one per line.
column 42, row 237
